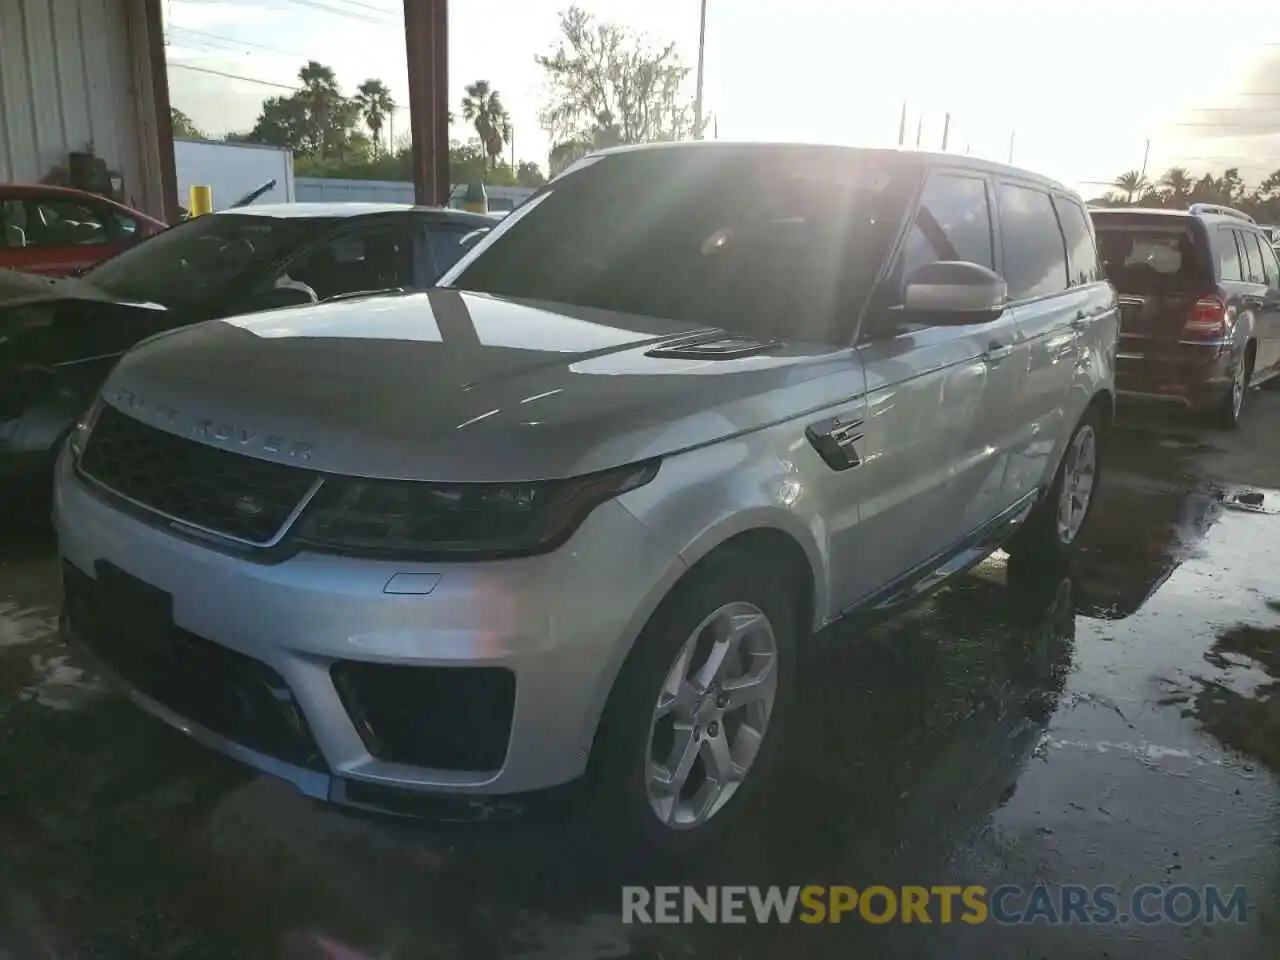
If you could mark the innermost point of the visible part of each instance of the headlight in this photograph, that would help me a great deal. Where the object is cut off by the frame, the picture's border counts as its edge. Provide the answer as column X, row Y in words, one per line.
column 80, row 432
column 460, row 521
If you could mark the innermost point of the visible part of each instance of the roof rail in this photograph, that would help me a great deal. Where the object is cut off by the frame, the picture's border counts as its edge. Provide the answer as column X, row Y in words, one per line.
column 1217, row 209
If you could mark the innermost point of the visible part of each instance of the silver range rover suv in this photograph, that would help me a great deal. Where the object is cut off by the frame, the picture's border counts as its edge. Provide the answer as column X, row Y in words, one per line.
column 574, row 512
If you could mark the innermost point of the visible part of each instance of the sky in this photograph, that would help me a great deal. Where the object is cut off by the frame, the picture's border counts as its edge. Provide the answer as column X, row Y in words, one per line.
column 1079, row 92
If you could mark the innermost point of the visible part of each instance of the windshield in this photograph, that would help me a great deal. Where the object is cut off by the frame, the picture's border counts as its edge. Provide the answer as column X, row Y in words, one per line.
column 199, row 257
column 781, row 242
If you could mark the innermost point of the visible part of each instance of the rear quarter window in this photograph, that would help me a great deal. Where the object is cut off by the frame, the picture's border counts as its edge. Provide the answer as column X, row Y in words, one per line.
column 1082, row 253
column 1229, row 266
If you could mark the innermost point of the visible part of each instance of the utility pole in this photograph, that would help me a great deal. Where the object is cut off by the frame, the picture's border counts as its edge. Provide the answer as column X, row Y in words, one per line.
column 1146, row 155
column 902, row 125
column 946, row 130
column 702, row 48
column 919, row 130
column 511, row 132
column 1012, row 134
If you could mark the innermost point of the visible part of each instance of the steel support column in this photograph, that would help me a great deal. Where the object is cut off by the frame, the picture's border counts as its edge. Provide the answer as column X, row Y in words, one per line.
column 164, row 116
column 426, row 31
column 149, row 92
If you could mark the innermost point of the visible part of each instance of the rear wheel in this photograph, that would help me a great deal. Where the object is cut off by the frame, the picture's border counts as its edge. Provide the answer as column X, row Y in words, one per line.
column 1231, row 406
column 692, row 724
column 1051, row 532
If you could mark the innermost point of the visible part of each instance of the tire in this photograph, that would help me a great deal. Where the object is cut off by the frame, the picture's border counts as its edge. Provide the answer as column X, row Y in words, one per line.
column 1042, row 539
column 631, row 809
column 1228, row 411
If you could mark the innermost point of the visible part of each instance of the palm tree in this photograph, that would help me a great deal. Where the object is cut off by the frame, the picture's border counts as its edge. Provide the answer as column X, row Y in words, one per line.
column 1177, row 181
column 483, row 107
column 321, row 95
column 1129, row 183
column 375, row 103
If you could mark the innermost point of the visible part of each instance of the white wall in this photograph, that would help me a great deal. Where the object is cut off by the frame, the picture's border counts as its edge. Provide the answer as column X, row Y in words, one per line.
column 232, row 170
column 73, row 74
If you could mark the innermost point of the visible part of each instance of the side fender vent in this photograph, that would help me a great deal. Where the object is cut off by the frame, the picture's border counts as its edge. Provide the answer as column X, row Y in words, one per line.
column 716, row 346
column 835, row 439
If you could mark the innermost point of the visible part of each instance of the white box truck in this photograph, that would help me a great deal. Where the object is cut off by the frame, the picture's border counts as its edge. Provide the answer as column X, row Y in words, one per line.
column 232, row 170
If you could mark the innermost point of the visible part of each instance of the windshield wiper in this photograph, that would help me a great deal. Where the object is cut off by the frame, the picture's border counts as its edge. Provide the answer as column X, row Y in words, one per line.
column 253, row 195
column 380, row 292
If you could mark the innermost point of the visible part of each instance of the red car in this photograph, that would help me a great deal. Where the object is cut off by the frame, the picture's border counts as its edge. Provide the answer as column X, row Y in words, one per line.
column 56, row 230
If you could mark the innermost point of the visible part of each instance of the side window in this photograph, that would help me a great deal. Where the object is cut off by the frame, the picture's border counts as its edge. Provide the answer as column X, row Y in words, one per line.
column 1270, row 265
column 13, row 224
column 1082, row 253
column 953, row 222
column 446, row 245
column 1252, row 257
column 58, row 222
column 369, row 258
column 1035, row 256
column 1228, row 255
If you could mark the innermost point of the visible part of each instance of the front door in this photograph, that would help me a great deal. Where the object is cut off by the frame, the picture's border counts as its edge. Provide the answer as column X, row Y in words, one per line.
column 933, row 469
column 924, row 392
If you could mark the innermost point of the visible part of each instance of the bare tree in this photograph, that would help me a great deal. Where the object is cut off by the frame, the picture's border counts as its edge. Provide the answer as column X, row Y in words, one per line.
column 609, row 85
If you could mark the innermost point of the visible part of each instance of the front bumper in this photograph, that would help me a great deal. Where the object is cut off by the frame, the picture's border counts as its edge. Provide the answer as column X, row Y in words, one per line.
column 560, row 624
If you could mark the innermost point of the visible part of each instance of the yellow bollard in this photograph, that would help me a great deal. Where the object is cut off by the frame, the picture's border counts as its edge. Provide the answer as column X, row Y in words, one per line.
column 201, row 201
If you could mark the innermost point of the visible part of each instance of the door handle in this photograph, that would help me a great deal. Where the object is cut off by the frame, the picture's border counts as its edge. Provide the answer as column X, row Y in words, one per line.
column 1081, row 321
column 996, row 352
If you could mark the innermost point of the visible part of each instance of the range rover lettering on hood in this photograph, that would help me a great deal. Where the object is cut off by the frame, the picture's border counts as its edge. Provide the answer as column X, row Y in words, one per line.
column 227, row 434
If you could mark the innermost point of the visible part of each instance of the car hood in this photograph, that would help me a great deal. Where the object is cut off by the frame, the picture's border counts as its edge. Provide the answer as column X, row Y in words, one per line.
column 451, row 386
column 20, row 289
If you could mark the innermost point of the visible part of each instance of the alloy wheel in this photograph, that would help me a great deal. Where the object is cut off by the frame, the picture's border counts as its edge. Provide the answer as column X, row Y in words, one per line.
column 1237, row 389
column 711, row 716
column 1079, row 472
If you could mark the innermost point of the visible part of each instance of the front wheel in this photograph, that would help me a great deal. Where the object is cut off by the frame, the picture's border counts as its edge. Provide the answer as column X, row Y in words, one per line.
column 1053, row 529
column 694, row 718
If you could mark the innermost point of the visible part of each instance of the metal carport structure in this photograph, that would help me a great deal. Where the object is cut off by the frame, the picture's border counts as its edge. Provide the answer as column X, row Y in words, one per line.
column 90, row 76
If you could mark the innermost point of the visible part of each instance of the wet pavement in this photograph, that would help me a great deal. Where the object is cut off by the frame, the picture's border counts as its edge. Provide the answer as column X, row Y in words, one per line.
column 1118, row 723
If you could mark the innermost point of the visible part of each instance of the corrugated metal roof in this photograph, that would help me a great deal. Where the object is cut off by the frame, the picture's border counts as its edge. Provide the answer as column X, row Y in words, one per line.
column 66, row 84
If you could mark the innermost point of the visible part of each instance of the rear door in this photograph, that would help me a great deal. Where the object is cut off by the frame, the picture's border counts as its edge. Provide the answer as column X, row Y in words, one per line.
column 1265, row 302
column 1046, row 310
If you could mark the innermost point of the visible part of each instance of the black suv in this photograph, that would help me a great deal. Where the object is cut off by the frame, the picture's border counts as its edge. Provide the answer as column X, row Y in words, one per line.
column 1200, row 305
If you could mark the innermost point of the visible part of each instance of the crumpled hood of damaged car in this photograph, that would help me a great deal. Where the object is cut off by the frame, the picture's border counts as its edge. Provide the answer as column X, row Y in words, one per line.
column 451, row 386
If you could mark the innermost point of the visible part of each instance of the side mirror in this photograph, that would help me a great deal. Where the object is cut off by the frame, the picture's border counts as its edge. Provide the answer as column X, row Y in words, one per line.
column 956, row 291
column 472, row 238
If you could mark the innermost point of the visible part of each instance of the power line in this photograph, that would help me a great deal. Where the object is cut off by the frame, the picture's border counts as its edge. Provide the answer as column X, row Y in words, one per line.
column 265, row 83
column 344, row 12
column 327, row 6
column 233, row 76
column 1230, row 124
column 237, row 41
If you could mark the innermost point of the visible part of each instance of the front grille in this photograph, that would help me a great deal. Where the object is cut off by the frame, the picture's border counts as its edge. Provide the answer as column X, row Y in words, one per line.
column 233, row 695
column 221, row 491
column 442, row 718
